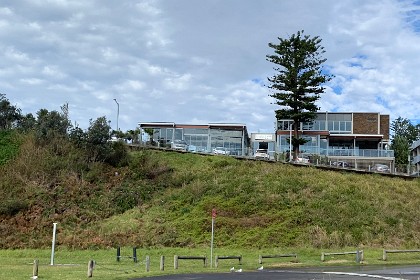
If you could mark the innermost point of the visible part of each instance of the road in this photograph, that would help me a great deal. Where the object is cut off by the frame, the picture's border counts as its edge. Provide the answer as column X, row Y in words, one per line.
column 330, row 273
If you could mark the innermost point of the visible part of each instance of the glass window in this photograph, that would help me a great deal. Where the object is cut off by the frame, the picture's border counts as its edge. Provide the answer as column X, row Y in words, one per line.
column 321, row 116
column 169, row 133
column 339, row 117
column 284, row 125
column 330, row 125
column 195, row 131
column 178, row 134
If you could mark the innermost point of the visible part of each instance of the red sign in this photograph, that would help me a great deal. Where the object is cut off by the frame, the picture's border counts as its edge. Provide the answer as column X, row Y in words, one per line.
column 213, row 213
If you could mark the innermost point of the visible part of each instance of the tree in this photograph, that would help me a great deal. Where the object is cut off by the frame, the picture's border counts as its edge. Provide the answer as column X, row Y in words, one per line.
column 26, row 123
column 9, row 114
column 51, row 125
column 404, row 134
column 401, row 147
column 97, row 137
column 297, row 85
column 404, row 128
column 133, row 135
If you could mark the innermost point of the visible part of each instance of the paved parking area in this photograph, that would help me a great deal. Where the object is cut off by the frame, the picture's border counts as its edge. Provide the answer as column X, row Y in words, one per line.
column 350, row 273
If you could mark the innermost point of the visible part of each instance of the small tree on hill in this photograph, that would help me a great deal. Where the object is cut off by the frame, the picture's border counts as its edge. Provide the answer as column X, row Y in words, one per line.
column 298, row 83
column 50, row 125
column 9, row 114
column 404, row 134
column 97, row 136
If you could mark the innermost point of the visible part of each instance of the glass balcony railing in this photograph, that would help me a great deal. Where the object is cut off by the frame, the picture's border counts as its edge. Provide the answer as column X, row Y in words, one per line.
column 343, row 152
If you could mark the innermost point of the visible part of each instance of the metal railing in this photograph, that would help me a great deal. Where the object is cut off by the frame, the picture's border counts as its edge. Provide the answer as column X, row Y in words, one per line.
column 343, row 152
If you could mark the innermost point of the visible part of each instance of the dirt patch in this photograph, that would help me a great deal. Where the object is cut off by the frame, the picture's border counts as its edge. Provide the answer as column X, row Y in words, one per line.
column 337, row 261
column 285, row 264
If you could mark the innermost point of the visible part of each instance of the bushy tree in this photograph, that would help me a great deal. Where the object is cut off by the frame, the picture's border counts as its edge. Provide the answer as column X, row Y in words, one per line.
column 133, row 135
column 404, row 128
column 9, row 114
column 404, row 134
column 51, row 124
column 78, row 137
column 97, row 137
column 26, row 123
column 298, row 83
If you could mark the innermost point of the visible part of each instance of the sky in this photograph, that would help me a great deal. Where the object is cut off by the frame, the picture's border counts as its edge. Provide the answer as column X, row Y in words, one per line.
column 200, row 62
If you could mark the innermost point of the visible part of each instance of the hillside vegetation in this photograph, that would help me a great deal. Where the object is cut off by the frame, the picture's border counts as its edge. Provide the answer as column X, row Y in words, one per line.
column 165, row 199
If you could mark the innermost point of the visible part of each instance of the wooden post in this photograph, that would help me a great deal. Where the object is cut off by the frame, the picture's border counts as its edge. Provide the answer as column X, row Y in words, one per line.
column 322, row 257
column 216, row 262
column 162, row 263
column 260, row 259
column 176, row 261
column 384, row 255
column 90, row 268
column 147, row 263
column 35, row 268
column 118, row 254
column 135, row 254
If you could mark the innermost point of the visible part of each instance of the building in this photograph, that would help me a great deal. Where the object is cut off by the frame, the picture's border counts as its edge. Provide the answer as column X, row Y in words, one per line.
column 264, row 141
column 342, row 136
column 415, row 155
column 230, row 137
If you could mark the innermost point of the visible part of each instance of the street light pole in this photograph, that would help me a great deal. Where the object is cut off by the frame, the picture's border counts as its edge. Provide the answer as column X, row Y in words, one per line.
column 118, row 111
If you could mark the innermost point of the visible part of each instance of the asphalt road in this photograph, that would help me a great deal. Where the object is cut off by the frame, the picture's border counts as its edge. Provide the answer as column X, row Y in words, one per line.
column 350, row 273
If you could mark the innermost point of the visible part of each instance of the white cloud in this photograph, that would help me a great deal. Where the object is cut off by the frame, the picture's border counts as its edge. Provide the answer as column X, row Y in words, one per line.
column 202, row 61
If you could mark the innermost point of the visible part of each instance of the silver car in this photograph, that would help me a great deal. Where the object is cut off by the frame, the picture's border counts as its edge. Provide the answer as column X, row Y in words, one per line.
column 380, row 168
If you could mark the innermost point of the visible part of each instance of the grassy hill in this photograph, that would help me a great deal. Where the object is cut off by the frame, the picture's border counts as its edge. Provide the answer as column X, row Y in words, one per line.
column 165, row 199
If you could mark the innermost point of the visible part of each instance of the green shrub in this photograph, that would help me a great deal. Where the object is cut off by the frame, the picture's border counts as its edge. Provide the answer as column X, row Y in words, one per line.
column 119, row 155
column 9, row 145
column 10, row 207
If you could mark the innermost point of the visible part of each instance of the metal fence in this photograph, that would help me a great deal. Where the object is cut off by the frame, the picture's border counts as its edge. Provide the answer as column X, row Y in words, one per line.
column 379, row 161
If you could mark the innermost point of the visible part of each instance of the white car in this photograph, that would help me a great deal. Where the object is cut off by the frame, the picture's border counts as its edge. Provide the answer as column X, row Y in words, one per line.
column 221, row 151
column 179, row 145
column 261, row 154
column 302, row 160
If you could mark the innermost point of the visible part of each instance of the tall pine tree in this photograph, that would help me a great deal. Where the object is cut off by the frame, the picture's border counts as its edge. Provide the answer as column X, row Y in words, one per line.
column 298, row 82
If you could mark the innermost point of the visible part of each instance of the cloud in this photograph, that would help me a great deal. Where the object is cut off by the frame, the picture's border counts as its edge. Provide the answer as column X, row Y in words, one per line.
column 193, row 61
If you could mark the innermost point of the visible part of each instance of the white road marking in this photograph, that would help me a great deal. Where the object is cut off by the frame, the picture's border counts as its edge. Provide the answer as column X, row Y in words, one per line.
column 364, row 275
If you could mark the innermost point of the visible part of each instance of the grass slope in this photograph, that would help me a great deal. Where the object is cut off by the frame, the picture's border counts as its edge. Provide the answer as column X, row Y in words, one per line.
column 164, row 199
column 262, row 204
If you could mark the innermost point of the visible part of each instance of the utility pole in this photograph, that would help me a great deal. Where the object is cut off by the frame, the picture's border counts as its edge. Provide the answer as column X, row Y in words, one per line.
column 118, row 111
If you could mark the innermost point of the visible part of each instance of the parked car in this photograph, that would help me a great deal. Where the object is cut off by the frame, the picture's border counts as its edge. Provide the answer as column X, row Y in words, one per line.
column 380, row 168
column 303, row 159
column 221, row 151
column 261, row 154
column 343, row 164
column 179, row 145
